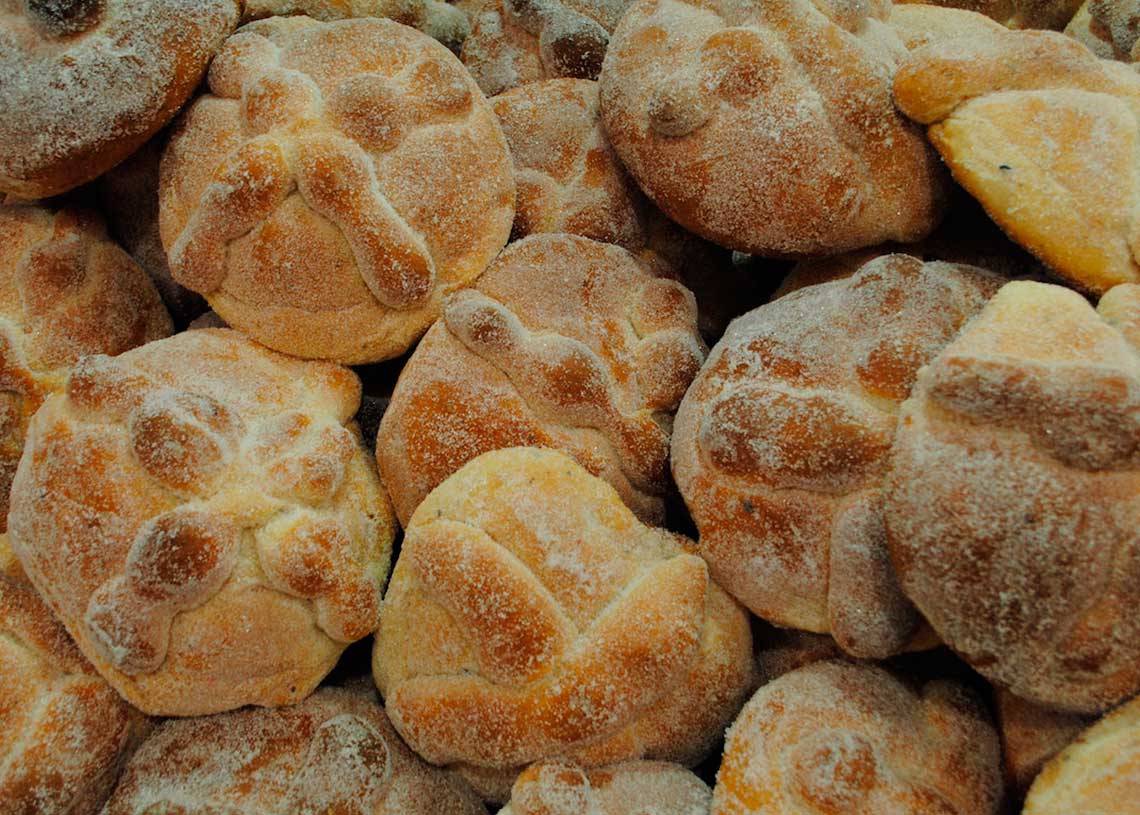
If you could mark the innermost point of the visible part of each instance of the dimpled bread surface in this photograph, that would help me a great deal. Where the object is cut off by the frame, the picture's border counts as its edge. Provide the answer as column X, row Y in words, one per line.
column 1098, row 774
column 769, row 128
column 66, row 732
column 83, row 83
column 653, row 787
column 1013, row 498
column 531, row 616
column 564, row 343
column 204, row 519
column 780, row 446
column 335, row 753
column 338, row 180
column 1045, row 135
column 835, row 738
column 66, row 290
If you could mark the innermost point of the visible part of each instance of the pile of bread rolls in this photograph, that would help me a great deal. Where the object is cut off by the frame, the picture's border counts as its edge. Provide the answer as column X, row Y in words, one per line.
column 569, row 407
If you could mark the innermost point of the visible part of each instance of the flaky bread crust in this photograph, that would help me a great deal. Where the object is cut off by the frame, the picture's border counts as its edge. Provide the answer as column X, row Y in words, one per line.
column 1098, row 774
column 336, row 183
column 780, row 445
column 1013, row 499
column 66, row 290
column 835, row 738
column 203, row 517
column 561, row 788
column 769, row 128
column 1045, row 135
column 1031, row 735
column 334, row 752
column 565, row 343
column 66, row 732
column 531, row 616
column 83, row 83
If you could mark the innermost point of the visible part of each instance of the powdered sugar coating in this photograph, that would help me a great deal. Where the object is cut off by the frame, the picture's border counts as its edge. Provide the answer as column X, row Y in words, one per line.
column 1045, row 136
column 66, row 732
column 769, row 128
column 340, row 180
column 1013, row 494
column 835, row 738
column 84, row 83
column 204, row 518
column 435, row 18
column 565, row 343
column 334, row 752
column 66, row 290
column 780, row 445
column 643, row 787
column 531, row 616
column 1031, row 735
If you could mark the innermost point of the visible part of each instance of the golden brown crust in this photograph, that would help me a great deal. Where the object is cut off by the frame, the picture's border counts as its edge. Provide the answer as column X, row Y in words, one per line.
column 531, row 616
column 436, row 18
column 919, row 24
column 203, row 517
column 66, row 732
column 780, row 445
column 565, row 343
column 1099, row 773
column 561, row 788
column 998, row 106
column 335, row 752
column 836, row 738
column 1011, row 503
column 1030, row 736
column 83, row 83
column 66, row 290
column 340, row 179
column 770, row 128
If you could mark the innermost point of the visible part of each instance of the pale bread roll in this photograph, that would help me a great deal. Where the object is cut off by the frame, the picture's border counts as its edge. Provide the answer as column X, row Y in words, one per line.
column 559, row 788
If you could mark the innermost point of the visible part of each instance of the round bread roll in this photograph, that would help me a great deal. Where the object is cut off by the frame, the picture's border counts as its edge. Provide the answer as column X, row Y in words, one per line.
column 770, row 128
column 335, row 753
column 435, row 18
column 564, row 343
column 513, row 42
column 339, row 180
column 651, row 787
column 531, row 616
column 997, row 109
column 1012, row 504
column 836, row 738
column 66, row 290
column 66, row 732
column 83, row 83
column 1098, row 774
column 128, row 194
column 780, row 445
column 1030, row 736
column 203, row 517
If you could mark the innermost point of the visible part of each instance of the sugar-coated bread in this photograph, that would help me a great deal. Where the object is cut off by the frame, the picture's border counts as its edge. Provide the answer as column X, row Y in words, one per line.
column 83, row 83
column 1054, row 14
column 998, row 10
column 532, row 616
column 780, row 445
column 339, row 179
column 836, row 738
column 566, row 343
column 1098, row 774
column 335, row 753
column 203, row 517
column 1030, row 736
column 1091, row 33
column 128, row 194
column 651, row 787
column 919, row 24
column 66, row 290
column 998, row 107
column 769, row 128
column 435, row 18
column 65, row 732
column 514, row 42
column 1013, row 498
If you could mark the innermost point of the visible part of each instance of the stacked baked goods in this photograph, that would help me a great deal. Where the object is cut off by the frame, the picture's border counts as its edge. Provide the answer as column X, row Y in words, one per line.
column 569, row 407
